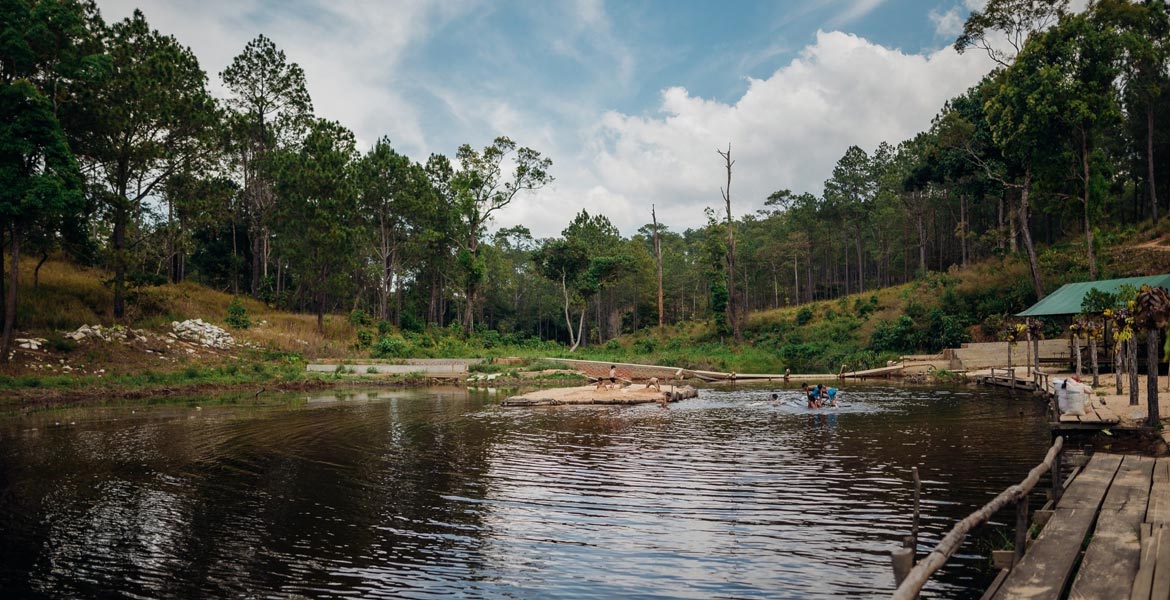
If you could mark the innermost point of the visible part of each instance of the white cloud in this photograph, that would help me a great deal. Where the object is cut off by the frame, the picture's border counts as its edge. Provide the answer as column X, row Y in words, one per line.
column 349, row 49
column 856, row 9
column 947, row 24
column 786, row 131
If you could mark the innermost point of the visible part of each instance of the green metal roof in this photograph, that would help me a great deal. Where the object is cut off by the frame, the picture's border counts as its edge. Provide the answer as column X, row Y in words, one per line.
column 1066, row 300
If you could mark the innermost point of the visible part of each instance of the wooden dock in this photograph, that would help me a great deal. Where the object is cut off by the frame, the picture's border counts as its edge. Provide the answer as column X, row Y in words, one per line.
column 1099, row 414
column 1107, row 537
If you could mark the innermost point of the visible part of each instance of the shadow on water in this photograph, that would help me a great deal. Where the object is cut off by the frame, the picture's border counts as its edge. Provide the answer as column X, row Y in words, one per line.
column 438, row 492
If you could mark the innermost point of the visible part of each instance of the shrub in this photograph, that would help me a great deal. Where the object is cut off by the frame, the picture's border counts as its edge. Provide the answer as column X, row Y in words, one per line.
column 804, row 315
column 359, row 318
column 365, row 338
column 893, row 336
column 238, row 315
column 385, row 327
column 391, row 346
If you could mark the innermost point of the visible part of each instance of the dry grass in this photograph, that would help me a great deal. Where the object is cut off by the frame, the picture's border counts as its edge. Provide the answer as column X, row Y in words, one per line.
column 68, row 296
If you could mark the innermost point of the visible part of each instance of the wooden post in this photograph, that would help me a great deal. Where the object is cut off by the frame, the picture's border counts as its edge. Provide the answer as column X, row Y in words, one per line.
column 917, row 496
column 1057, row 484
column 903, row 561
column 1021, row 526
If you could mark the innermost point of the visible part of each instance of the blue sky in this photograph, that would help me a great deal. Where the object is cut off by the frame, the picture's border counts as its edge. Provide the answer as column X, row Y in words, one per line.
column 629, row 98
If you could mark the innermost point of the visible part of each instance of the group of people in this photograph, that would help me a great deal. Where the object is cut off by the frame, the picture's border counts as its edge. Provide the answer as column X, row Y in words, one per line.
column 819, row 395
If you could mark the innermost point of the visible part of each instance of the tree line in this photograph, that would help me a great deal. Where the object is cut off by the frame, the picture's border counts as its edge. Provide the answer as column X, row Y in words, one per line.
column 113, row 151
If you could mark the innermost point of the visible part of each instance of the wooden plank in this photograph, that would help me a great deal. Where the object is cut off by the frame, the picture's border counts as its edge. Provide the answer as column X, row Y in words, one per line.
column 1159, row 508
column 1161, row 586
column 994, row 587
column 1144, row 581
column 1111, row 561
column 1046, row 567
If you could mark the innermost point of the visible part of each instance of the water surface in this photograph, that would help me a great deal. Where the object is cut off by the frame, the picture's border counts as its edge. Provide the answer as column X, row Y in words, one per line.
column 440, row 492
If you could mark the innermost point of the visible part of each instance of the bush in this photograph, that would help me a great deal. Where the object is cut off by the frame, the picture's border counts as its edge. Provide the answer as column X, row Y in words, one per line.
column 238, row 315
column 391, row 346
column 359, row 318
column 365, row 338
column 385, row 327
column 804, row 315
column 893, row 336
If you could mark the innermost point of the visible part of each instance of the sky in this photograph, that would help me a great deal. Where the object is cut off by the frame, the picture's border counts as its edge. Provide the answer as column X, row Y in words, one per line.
column 631, row 99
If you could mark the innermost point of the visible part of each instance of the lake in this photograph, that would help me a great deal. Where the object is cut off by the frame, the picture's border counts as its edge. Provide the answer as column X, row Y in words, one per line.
column 440, row 492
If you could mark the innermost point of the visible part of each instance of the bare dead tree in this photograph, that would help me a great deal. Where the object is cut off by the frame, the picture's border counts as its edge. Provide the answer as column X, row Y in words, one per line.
column 733, row 313
column 658, row 258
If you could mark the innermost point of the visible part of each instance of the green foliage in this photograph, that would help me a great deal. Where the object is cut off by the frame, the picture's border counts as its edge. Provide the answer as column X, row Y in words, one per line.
column 237, row 316
column 359, row 318
column 804, row 315
column 391, row 346
column 1096, row 301
column 894, row 336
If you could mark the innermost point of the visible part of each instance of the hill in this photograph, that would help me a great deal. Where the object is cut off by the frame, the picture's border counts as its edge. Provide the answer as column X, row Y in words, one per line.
column 863, row 330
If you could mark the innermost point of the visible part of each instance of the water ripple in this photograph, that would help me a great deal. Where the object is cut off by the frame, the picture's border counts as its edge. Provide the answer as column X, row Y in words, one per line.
column 424, row 494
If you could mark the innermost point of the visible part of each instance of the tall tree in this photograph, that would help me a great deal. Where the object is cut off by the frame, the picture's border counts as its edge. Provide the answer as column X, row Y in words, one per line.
column 657, row 262
column 318, row 220
column 736, row 300
column 1144, row 29
column 481, row 187
column 270, row 106
column 1002, row 27
column 849, row 194
column 152, row 117
column 40, row 183
column 391, row 193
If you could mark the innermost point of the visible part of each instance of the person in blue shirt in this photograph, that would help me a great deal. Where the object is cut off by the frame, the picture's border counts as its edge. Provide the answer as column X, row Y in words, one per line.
column 814, row 395
column 830, row 394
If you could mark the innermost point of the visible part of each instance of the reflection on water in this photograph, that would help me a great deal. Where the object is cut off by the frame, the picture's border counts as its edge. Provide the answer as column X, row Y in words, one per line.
column 426, row 493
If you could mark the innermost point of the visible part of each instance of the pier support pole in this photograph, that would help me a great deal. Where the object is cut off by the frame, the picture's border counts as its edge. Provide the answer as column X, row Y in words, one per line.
column 903, row 561
column 1021, row 526
column 914, row 527
column 1057, row 483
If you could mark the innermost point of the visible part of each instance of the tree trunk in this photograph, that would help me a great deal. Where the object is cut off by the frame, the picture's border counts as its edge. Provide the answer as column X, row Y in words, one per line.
column 1093, row 359
column 37, row 269
column 1131, row 355
column 1150, row 160
column 733, row 299
column 1076, row 342
column 1152, row 349
column 1085, row 201
column 860, row 266
column 321, row 312
column 10, row 294
column 1118, row 352
column 658, row 259
column 119, row 234
column 963, row 227
column 1033, row 264
column 920, row 224
column 568, row 317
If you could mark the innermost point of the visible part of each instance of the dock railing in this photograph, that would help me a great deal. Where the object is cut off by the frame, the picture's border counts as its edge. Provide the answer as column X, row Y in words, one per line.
column 910, row 581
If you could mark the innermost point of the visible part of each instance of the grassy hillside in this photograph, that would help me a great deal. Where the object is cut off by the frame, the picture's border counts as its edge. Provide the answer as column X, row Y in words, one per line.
column 863, row 330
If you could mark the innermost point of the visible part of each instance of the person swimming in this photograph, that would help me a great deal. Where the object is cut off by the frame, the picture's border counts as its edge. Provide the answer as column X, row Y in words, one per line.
column 814, row 395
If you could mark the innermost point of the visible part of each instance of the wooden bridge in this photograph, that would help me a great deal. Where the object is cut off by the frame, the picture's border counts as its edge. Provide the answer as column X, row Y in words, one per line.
column 640, row 372
column 1104, row 534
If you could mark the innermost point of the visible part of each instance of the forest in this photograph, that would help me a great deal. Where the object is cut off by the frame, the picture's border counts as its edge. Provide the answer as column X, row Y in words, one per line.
column 114, row 153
